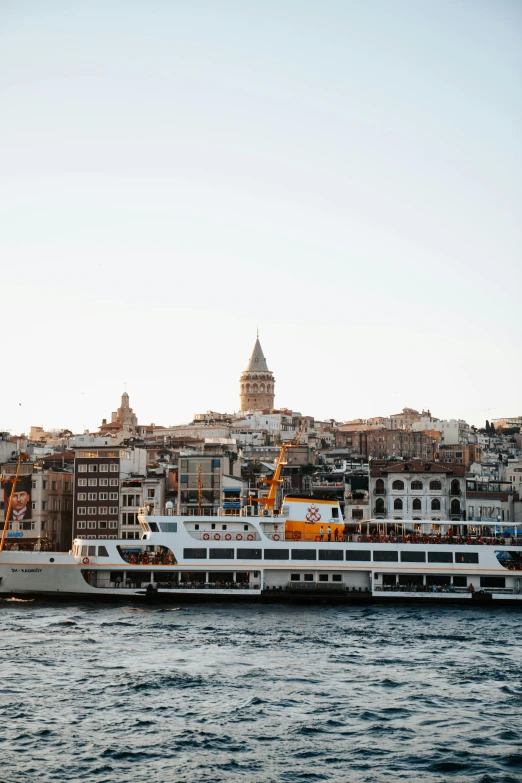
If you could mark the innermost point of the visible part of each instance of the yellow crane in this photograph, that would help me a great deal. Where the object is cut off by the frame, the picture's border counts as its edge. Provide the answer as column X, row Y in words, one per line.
column 276, row 480
column 22, row 457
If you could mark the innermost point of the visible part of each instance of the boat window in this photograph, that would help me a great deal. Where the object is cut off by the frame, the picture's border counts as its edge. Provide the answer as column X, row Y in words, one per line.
column 221, row 554
column 304, row 554
column 84, row 551
column 330, row 554
column 466, row 557
column 169, row 527
column 358, row 554
column 295, row 577
column 166, row 576
column 385, row 556
column 309, row 577
column 102, row 551
column 337, row 577
column 323, row 577
column 413, row 557
column 437, row 579
column 510, row 559
column 492, row 581
column 116, row 576
column 335, row 513
column 440, row 557
column 460, row 581
column 276, row 554
column 153, row 527
column 411, row 579
column 249, row 554
column 195, row 554
column 91, row 551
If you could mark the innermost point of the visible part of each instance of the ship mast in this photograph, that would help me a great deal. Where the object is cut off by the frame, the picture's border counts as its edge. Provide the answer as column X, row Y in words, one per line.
column 21, row 458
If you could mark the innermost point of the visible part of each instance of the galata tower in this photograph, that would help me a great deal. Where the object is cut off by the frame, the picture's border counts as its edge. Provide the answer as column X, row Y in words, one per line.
column 257, row 382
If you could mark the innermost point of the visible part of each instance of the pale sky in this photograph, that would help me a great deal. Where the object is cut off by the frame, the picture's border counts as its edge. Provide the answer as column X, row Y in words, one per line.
column 345, row 174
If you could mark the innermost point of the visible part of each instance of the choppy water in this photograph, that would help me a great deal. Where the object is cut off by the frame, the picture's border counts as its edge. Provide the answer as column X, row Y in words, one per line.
column 245, row 693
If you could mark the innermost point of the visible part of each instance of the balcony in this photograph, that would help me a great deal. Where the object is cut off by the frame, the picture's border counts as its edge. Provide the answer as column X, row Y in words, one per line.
column 455, row 493
column 379, row 491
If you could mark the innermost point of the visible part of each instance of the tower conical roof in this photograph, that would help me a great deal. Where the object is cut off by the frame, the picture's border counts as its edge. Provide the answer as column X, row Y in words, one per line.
column 257, row 361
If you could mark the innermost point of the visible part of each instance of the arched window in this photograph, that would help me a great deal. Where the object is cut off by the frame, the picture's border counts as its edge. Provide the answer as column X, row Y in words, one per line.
column 435, row 504
column 397, row 504
column 455, row 507
column 379, row 487
column 255, row 388
column 417, row 504
column 416, row 484
column 379, row 506
column 248, row 388
column 435, row 485
column 398, row 484
column 455, row 487
column 262, row 387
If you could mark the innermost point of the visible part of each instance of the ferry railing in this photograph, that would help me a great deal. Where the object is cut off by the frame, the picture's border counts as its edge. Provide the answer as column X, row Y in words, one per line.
column 403, row 539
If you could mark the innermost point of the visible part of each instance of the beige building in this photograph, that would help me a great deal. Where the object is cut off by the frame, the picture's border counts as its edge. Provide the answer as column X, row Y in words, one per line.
column 257, row 384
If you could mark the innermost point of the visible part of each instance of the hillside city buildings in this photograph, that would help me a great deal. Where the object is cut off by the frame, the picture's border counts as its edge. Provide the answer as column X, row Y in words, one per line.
column 408, row 465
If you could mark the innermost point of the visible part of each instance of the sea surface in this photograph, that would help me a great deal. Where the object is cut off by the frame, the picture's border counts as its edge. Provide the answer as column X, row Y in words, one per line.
column 226, row 692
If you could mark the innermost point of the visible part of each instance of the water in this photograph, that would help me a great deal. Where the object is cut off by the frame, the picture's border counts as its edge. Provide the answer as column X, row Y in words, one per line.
column 211, row 693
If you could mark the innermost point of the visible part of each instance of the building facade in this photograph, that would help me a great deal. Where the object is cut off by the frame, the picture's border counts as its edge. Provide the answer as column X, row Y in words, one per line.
column 417, row 490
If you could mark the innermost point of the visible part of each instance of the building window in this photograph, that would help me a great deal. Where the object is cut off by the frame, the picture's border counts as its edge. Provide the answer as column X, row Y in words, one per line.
column 114, row 468
column 112, row 496
column 103, row 482
column 92, row 496
column 397, row 504
column 103, row 510
column 417, row 505
column 435, row 504
column 416, row 485
column 102, row 525
column 113, row 509
column 398, row 484
column 151, row 493
column 82, row 496
column 91, row 510
column 113, row 524
column 93, row 482
column 82, row 482
column 103, row 496
column 81, row 525
column 435, row 486
column 113, row 482
column 82, row 468
column 104, row 468
column 93, row 468
column 81, row 510
column 91, row 525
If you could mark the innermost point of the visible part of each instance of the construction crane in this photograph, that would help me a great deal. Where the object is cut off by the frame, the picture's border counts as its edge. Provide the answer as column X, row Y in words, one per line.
column 22, row 457
column 276, row 480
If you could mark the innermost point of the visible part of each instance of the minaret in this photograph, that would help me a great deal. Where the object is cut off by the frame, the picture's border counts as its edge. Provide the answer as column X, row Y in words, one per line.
column 257, row 382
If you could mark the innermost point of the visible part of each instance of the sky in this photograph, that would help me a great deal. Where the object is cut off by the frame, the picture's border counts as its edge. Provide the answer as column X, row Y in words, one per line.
column 345, row 175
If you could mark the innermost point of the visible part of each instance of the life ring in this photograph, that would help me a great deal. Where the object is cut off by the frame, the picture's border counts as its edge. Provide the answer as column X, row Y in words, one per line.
column 145, row 560
column 491, row 541
column 480, row 541
column 382, row 539
column 414, row 539
column 250, row 537
column 228, row 537
column 217, row 536
column 132, row 560
column 404, row 539
column 86, row 560
column 361, row 538
column 276, row 537
column 513, row 542
column 371, row 539
column 206, row 536
column 317, row 538
column 502, row 540
column 511, row 566
column 469, row 540
column 425, row 539
column 436, row 540
column 155, row 561
column 239, row 537
column 458, row 540
column 393, row 540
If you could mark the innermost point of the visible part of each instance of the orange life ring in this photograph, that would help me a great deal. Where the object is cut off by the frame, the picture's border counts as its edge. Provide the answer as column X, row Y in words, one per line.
column 145, row 560
column 239, row 537
column 404, row 539
column 371, row 539
column 228, row 537
column 480, row 541
column 276, row 537
column 414, row 539
column 491, row 541
column 132, row 560
column 469, row 540
column 217, row 536
column 425, row 539
column 85, row 560
column 393, row 540
column 250, row 537
column 458, row 540
column 206, row 536
column 436, row 540
column 382, row 539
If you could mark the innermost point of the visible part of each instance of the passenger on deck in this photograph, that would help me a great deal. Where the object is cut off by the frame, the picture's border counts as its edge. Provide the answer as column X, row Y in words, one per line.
column 329, row 533
column 321, row 532
column 471, row 588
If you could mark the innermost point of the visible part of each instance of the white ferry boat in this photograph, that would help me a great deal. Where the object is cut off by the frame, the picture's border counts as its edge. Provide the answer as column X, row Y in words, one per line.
column 306, row 552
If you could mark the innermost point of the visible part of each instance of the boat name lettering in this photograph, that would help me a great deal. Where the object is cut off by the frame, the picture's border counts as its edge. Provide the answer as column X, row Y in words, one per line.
column 26, row 570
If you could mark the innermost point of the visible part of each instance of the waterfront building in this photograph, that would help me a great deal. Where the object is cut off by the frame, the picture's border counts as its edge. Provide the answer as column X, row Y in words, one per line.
column 417, row 490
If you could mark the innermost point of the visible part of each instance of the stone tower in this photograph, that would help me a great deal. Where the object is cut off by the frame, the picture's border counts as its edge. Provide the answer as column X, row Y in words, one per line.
column 125, row 416
column 257, row 382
